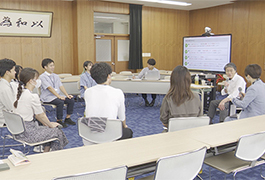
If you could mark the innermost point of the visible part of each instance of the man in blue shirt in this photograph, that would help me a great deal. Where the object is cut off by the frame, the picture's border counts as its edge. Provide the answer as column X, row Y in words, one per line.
column 51, row 86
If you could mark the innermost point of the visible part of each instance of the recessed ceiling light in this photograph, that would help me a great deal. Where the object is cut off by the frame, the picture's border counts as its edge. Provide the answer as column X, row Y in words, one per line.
column 178, row 3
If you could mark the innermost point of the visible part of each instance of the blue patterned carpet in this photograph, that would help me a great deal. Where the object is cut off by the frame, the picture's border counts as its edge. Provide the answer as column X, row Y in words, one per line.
column 143, row 121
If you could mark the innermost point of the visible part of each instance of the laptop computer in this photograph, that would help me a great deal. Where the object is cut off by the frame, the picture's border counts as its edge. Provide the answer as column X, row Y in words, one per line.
column 152, row 75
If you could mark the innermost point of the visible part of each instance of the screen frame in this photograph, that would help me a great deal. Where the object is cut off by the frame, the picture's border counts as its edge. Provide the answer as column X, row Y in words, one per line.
column 205, row 70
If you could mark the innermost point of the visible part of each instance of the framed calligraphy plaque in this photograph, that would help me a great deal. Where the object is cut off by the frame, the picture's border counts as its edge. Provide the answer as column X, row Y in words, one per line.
column 25, row 23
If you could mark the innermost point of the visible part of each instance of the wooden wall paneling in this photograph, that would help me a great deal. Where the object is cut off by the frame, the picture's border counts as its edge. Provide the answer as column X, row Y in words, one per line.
column 107, row 7
column 225, row 20
column 85, row 37
column 240, row 35
column 146, row 35
column 10, row 49
column 256, row 34
column 211, row 17
column 67, row 37
column 197, row 22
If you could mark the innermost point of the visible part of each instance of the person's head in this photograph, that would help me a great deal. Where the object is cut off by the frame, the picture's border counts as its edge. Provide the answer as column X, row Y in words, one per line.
column 151, row 63
column 28, row 78
column 207, row 29
column 87, row 65
column 18, row 69
column 7, row 69
column 230, row 70
column 101, row 72
column 48, row 65
column 253, row 71
column 180, row 81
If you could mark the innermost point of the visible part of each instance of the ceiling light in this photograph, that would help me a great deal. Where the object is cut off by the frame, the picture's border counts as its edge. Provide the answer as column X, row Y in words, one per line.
column 178, row 3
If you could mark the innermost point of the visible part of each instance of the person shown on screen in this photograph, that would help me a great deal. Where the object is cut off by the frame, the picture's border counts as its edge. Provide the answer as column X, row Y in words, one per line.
column 7, row 93
column 150, row 67
column 253, row 102
column 102, row 100
column 27, row 106
column 180, row 101
column 230, row 89
column 51, row 86
column 86, row 81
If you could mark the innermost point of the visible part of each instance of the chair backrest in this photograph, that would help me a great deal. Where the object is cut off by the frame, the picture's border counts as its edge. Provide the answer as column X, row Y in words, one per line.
column 119, row 77
column 74, row 78
column 14, row 122
column 251, row 147
column 176, row 124
column 113, row 131
column 63, row 75
column 119, row 173
column 126, row 73
column 167, row 77
column 182, row 166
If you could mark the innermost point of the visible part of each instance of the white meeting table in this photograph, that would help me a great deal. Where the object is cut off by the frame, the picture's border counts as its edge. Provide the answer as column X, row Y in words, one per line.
column 154, row 87
column 228, row 132
column 130, row 152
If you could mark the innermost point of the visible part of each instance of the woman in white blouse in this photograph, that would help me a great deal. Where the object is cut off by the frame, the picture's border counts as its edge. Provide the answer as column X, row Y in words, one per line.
column 27, row 105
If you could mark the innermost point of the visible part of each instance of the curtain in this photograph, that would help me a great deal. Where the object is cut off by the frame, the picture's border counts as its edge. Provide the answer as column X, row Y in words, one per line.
column 135, row 51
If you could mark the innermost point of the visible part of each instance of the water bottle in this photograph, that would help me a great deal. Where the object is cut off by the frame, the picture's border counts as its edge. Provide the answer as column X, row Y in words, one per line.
column 196, row 79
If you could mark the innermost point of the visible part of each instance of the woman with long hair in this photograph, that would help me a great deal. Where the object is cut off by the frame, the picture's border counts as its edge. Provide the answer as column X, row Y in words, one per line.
column 27, row 106
column 180, row 101
column 86, row 81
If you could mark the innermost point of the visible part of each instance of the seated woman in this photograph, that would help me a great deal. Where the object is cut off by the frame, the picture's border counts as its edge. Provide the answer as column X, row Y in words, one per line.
column 180, row 101
column 253, row 102
column 27, row 105
column 86, row 81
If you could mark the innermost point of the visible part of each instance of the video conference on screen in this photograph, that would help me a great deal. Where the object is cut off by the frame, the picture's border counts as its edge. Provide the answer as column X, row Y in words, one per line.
column 207, row 53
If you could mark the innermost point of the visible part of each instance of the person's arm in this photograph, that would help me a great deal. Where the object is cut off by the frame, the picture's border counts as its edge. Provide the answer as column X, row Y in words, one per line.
column 8, row 99
column 52, row 90
column 164, row 113
column 45, row 121
column 121, row 110
column 65, row 93
column 249, row 97
column 141, row 74
column 39, row 114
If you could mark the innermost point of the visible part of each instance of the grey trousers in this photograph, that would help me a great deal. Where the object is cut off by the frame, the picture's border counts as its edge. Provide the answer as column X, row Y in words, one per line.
column 212, row 110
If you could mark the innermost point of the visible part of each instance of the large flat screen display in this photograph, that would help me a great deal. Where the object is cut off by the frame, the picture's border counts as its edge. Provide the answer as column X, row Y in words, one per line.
column 207, row 53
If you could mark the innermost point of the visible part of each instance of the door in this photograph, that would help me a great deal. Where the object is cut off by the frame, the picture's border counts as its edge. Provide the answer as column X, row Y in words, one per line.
column 114, row 50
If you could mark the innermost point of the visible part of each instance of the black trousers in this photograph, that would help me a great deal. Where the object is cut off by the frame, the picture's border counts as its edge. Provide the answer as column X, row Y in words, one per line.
column 126, row 133
column 59, row 106
column 145, row 96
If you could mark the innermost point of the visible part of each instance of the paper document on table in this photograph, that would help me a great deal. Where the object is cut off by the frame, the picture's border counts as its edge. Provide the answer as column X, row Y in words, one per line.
column 17, row 158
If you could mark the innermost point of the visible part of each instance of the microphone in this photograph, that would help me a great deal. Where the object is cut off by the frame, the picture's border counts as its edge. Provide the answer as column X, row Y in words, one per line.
column 240, row 92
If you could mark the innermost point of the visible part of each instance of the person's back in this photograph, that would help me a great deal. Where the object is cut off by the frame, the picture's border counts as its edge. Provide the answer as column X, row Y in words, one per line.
column 104, row 101
column 7, row 93
column 257, row 106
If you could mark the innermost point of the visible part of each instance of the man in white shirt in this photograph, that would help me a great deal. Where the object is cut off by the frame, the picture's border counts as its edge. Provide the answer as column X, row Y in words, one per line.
column 150, row 67
column 230, row 89
column 103, row 100
column 7, row 94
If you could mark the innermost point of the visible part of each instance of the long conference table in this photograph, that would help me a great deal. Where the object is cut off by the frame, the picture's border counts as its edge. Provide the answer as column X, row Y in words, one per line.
column 154, row 87
column 131, row 152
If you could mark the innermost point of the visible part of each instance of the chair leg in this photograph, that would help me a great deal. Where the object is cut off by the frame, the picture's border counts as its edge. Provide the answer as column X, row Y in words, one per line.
column 261, row 172
column 199, row 177
column 210, row 173
column 4, row 143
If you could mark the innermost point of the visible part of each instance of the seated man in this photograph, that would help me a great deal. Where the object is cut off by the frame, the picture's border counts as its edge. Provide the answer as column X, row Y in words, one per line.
column 150, row 67
column 103, row 100
column 51, row 86
column 253, row 102
column 230, row 89
column 7, row 93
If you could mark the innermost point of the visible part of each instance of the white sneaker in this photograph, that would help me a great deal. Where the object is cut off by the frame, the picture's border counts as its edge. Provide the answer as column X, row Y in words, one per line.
column 38, row 149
